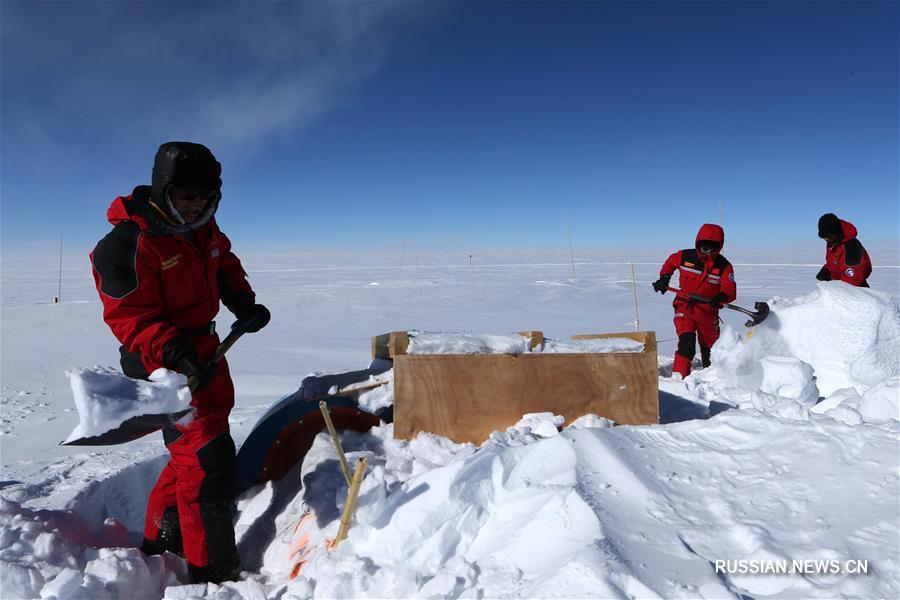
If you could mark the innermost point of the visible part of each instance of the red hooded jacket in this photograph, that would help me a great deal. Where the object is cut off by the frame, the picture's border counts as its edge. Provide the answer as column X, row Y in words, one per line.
column 703, row 276
column 154, row 283
column 847, row 260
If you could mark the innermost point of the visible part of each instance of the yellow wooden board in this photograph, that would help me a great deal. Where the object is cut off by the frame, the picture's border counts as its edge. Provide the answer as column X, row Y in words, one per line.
column 466, row 397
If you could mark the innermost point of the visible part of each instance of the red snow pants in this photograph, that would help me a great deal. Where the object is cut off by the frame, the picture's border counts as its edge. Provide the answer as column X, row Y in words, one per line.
column 694, row 321
column 189, row 508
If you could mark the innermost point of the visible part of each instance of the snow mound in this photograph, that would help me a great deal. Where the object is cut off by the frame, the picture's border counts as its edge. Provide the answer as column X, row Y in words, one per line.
column 424, row 342
column 57, row 554
column 788, row 388
column 849, row 336
column 595, row 512
column 105, row 398
column 878, row 405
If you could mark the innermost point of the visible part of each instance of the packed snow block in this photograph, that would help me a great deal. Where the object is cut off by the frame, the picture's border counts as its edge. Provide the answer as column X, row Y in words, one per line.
column 465, row 397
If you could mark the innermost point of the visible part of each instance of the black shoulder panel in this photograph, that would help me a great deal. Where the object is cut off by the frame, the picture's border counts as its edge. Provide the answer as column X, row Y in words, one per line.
column 114, row 259
column 690, row 255
column 722, row 262
column 853, row 252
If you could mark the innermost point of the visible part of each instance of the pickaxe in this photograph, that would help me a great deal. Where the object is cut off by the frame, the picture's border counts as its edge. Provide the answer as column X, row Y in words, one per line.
column 757, row 317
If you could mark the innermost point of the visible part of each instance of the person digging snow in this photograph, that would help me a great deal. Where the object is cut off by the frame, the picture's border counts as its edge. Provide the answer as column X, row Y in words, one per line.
column 161, row 273
column 845, row 258
column 702, row 271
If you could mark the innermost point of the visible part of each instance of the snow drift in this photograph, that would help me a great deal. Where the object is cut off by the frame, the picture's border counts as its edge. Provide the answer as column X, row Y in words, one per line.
column 848, row 335
column 600, row 512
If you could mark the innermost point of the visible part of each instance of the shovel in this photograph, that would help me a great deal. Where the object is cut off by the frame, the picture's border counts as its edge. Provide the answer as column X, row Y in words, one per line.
column 238, row 328
column 140, row 425
column 756, row 317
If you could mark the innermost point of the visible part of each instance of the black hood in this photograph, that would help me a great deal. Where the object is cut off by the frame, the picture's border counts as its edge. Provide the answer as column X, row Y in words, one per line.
column 188, row 165
column 184, row 164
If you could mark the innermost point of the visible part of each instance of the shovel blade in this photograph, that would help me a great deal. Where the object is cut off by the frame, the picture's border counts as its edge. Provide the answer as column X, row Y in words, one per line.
column 130, row 430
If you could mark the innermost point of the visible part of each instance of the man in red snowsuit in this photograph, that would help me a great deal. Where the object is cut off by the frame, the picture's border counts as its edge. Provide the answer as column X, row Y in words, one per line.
column 161, row 273
column 845, row 258
column 703, row 271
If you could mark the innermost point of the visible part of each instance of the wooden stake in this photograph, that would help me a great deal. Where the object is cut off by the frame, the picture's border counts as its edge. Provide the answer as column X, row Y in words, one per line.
column 323, row 406
column 571, row 253
column 350, row 505
column 637, row 318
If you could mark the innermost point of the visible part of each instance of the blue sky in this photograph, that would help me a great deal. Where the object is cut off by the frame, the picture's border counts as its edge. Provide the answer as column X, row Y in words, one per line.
column 354, row 125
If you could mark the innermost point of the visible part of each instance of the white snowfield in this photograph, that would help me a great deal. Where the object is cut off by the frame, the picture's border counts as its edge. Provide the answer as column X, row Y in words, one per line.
column 773, row 473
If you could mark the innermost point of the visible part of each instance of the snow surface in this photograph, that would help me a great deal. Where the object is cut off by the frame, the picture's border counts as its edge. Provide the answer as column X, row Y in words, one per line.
column 740, row 467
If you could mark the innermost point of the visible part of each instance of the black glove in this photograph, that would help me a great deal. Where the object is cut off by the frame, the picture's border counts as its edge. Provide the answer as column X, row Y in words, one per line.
column 257, row 311
column 662, row 284
column 824, row 274
column 719, row 300
column 180, row 355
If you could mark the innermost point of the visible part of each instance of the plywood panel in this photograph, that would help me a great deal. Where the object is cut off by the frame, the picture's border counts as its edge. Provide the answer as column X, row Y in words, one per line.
column 466, row 397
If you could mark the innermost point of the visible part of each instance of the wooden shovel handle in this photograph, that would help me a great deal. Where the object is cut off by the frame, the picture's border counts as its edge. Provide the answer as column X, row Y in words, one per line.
column 238, row 328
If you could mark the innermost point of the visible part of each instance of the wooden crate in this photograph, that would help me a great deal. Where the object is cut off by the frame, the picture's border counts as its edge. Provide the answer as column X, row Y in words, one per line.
column 467, row 396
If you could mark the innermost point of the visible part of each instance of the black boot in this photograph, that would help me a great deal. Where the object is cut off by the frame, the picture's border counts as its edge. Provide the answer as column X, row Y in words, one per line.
column 216, row 573
column 169, row 537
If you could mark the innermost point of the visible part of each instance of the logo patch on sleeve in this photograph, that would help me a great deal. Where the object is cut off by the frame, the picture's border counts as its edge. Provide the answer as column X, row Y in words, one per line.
column 850, row 272
column 214, row 253
column 731, row 277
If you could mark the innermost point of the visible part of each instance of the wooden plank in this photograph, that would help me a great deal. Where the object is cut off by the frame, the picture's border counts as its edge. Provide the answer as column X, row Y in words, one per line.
column 380, row 346
column 535, row 339
column 648, row 338
column 466, row 397
column 389, row 345
column 399, row 343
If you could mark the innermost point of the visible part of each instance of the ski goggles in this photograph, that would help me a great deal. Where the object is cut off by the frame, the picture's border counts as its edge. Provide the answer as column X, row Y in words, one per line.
column 181, row 194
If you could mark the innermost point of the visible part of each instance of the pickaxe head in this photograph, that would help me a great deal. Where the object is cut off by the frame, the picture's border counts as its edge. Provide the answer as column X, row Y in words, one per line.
column 762, row 311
